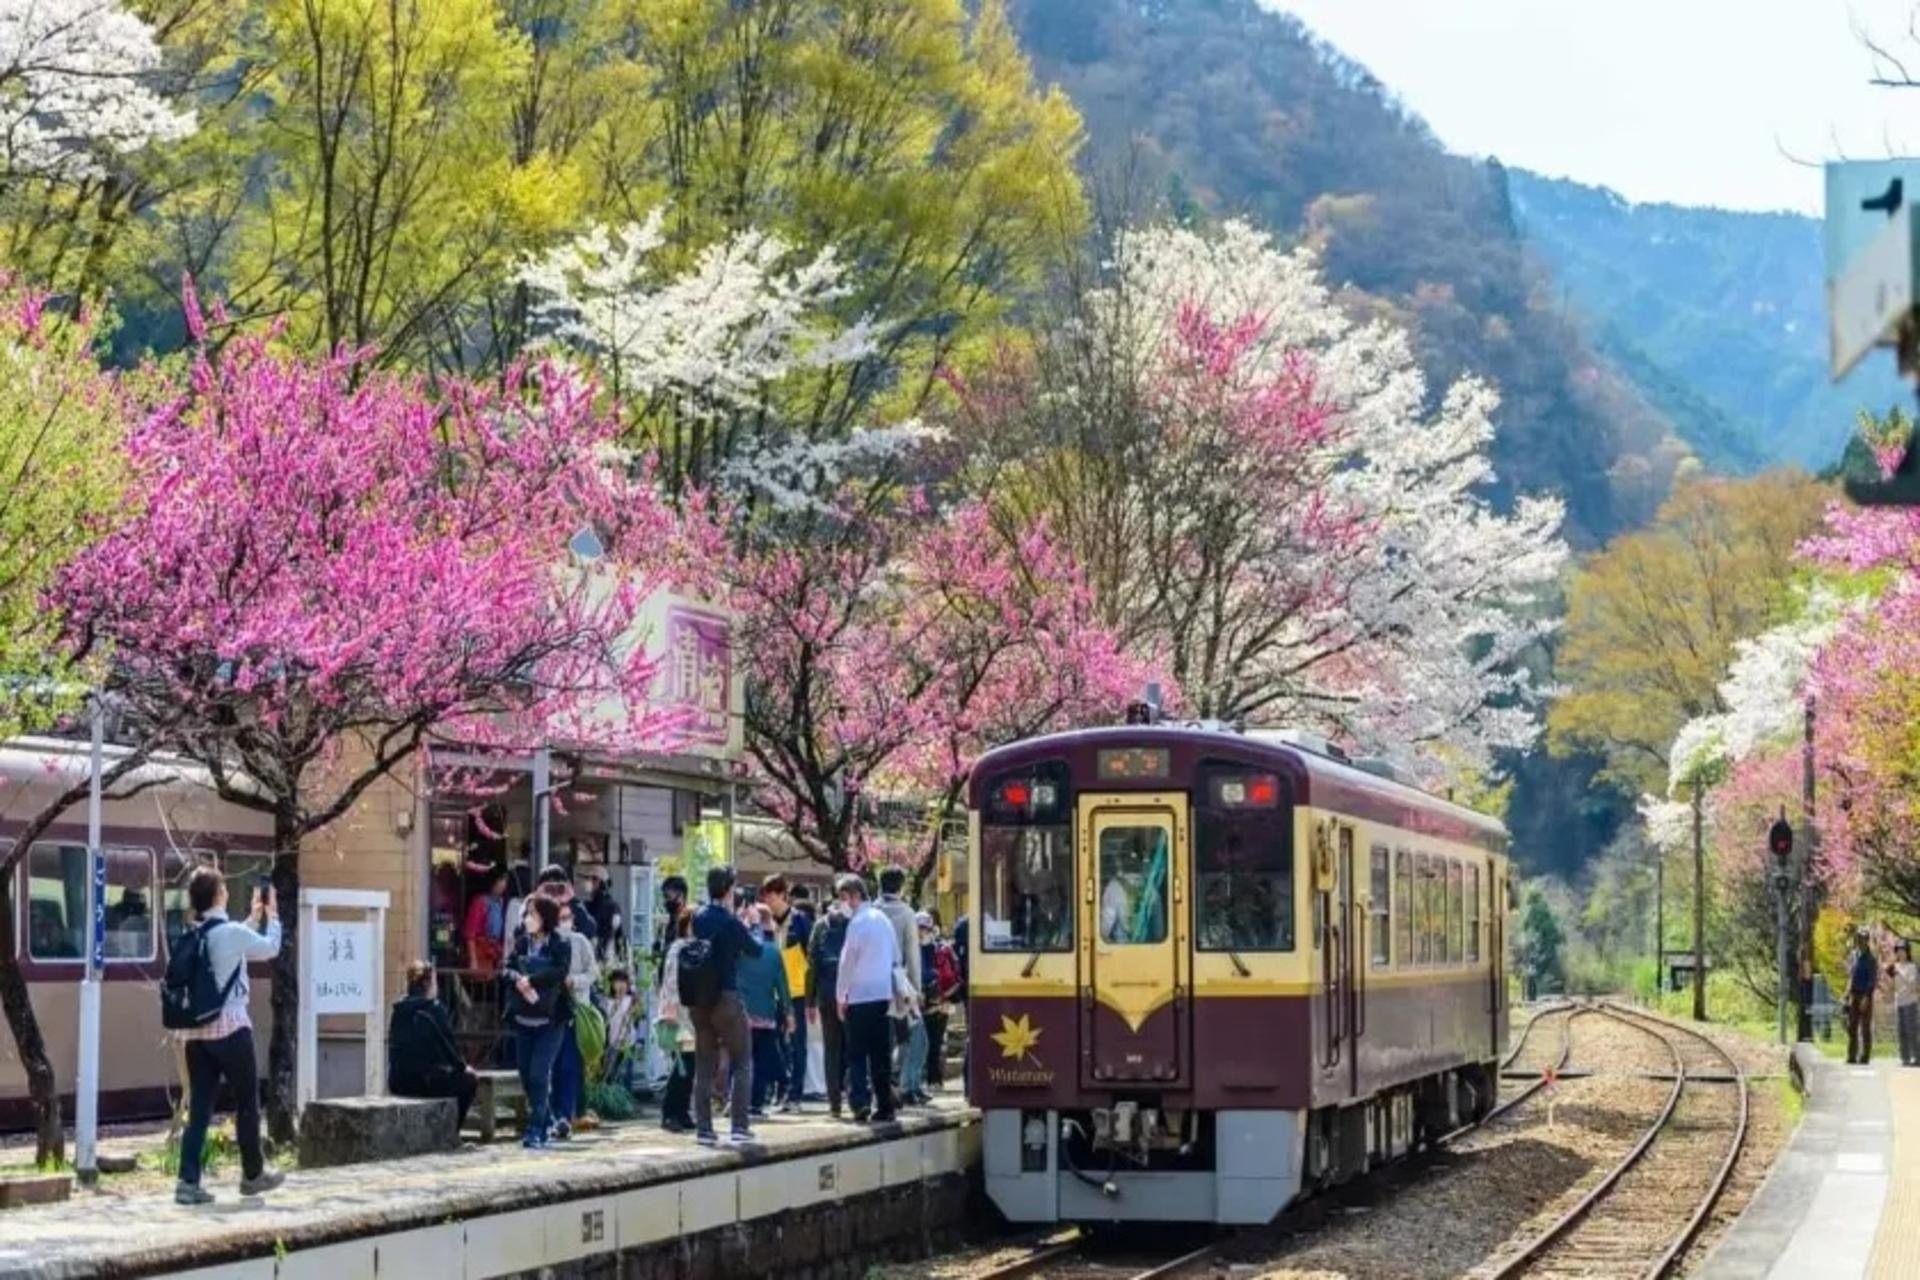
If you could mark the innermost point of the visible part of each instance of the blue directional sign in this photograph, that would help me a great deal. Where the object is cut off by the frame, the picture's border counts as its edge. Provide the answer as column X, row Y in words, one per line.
column 98, row 950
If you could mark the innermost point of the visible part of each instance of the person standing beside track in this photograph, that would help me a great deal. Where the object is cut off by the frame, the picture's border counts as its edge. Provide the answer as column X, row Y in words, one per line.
column 864, row 992
column 1906, row 1002
column 722, row 1025
column 1862, row 978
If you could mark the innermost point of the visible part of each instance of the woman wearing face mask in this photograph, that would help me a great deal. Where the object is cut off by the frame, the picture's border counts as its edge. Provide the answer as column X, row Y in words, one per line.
column 537, row 1005
column 570, row 1069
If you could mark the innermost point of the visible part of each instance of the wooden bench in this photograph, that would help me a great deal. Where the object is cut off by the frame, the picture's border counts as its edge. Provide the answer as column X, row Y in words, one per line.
column 497, row 1087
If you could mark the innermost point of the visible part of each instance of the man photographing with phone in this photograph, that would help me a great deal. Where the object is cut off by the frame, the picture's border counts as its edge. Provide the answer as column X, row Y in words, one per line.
column 205, row 1000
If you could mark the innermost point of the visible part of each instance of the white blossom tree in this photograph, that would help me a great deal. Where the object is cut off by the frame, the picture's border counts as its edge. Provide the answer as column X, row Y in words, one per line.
column 706, row 359
column 75, row 88
column 1263, row 495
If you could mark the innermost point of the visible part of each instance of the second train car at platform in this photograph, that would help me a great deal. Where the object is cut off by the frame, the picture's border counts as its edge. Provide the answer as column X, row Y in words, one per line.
column 1212, row 970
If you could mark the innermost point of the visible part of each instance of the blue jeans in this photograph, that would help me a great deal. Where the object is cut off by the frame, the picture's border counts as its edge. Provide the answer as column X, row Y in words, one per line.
column 535, row 1049
column 569, row 1078
column 913, row 1069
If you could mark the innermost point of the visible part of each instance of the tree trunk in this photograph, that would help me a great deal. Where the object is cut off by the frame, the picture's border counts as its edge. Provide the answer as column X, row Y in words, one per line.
column 43, row 1089
column 283, row 1047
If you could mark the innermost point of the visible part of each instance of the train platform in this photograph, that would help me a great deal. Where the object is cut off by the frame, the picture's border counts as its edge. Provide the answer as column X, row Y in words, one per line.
column 1843, row 1201
column 629, row 1200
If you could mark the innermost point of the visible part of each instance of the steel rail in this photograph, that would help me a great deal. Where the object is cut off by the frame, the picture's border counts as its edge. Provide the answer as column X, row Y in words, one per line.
column 1532, row 1250
column 1724, row 1174
column 1038, row 1257
column 1573, row 1012
column 1180, row 1263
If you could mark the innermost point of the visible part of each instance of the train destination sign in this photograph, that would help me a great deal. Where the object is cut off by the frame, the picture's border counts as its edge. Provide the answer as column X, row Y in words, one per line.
column 1126, row 763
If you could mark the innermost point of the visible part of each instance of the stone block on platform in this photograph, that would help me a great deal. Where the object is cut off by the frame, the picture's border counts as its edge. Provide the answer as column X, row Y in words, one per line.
column 17, row 1189
column 335, row 1131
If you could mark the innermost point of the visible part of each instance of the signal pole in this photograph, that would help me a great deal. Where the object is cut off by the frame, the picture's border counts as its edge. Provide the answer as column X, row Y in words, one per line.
column 1780, row 845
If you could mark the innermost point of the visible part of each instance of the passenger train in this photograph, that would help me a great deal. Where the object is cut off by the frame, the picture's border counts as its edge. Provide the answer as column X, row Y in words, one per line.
column 1213, row 970
column 152, row 838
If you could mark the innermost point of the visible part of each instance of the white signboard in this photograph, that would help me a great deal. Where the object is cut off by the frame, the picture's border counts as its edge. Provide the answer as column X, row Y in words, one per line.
column 343, row 967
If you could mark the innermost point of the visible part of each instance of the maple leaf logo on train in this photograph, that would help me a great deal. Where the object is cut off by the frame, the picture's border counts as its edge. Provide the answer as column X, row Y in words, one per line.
column 1017, row 1037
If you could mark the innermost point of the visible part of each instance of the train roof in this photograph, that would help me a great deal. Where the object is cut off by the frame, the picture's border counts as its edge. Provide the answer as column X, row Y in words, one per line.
column 65, row 760
column 1316, row 779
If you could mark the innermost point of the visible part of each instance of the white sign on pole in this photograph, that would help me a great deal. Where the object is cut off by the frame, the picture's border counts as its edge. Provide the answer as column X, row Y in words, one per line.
column 1869, row 299
column 343, row 967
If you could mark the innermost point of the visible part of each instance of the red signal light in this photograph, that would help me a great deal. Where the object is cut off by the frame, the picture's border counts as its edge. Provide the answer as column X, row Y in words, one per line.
column 1261, row 791
column 1016, row 794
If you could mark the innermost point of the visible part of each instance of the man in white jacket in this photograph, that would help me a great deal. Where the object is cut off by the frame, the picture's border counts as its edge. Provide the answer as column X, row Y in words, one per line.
column 865, row 995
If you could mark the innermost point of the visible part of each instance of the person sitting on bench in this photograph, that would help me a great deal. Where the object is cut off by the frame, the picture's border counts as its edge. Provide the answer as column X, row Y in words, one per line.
column 422, row 1060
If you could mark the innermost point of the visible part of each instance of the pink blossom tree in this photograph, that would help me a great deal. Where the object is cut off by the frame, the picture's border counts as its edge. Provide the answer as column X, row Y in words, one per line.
column 1262, row 489
column 888, row 647
column 325, row 566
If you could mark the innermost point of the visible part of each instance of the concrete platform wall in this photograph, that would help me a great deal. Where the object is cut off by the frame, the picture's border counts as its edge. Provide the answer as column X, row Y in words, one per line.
column 830, row 1214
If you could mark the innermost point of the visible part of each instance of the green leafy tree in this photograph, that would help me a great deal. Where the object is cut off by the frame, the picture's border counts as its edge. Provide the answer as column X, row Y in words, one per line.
column 1542, row 967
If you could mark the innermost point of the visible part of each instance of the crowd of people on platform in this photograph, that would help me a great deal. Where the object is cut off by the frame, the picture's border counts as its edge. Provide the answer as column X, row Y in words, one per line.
column 764, row 1000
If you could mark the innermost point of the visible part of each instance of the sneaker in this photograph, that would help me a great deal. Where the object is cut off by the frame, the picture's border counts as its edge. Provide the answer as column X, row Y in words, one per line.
column 836, row 1111
column 189, row 1193
column 707, row 1138
column 676, row 1126
column 860, row 1115
column 884, row 1117
column 267, row 1181
column 758, row 1113
column 789, row 1108
column 740, row 1137
column 534, row 1142
column 561, row 1131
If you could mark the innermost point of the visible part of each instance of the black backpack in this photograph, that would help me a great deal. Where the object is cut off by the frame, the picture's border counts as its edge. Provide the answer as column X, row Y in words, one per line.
column 698, row 975
column 189, row 995
column 832, row 935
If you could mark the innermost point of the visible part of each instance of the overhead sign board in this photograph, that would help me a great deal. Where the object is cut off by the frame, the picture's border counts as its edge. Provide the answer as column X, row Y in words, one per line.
column 1857, row 206
column 1873, row 295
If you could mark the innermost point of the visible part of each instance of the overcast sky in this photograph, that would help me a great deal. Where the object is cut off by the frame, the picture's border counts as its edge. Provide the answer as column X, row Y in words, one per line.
column 1691, row 101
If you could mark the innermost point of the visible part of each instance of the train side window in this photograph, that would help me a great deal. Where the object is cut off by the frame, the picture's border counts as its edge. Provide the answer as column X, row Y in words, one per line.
column 57, row 903
column 1026, row 888
column 1423, row 904
column 1403, row 903
column 1456, row 918
column 1380, row 908
column 1473, row 914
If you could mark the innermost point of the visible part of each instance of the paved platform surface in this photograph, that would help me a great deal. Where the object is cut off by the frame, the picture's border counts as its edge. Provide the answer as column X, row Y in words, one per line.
column 1843, row 1201
column 101, row 1233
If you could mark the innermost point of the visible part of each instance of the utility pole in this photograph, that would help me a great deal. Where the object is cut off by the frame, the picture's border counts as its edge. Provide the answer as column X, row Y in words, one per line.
column 1659, row 920
column 1699, row 911
column 1803, row 990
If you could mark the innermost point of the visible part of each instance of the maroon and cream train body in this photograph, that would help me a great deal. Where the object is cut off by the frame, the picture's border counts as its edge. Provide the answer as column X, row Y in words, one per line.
column 1212, row 970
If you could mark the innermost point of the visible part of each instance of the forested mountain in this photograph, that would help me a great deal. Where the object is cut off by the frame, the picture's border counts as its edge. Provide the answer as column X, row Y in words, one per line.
column 1719, row 317
column 1228, row 108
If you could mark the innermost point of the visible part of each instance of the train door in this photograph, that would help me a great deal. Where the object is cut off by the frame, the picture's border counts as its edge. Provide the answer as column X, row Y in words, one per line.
column 1352, row 958
column 1134, row 940
column 1496, row 955
column 1338, row 971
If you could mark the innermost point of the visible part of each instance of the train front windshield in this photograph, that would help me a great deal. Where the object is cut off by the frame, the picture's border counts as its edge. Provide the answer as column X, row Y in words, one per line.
column 1026, row 864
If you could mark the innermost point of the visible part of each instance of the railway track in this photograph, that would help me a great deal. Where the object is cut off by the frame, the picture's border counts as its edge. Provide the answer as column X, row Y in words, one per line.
column 1643, row 1213
column 1074, row 1255
column 1078, row 1257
